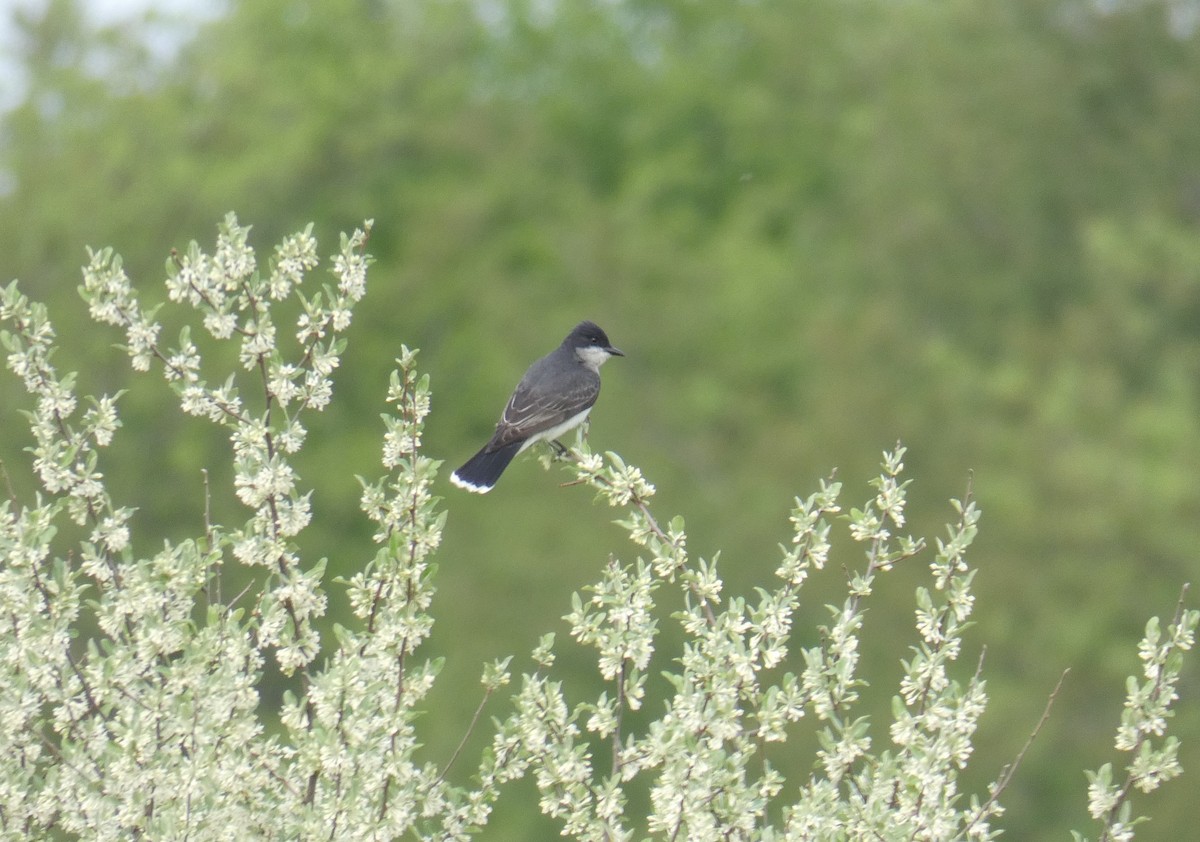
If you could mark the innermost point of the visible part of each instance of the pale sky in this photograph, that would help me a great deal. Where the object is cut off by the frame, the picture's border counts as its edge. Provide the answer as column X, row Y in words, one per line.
column 102, row 13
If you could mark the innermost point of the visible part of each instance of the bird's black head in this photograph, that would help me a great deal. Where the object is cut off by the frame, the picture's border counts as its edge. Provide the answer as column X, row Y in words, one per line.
column 589, row 335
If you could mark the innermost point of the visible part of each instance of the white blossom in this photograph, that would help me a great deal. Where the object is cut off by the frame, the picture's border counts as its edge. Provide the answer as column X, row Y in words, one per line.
column 129, row 685
column 101, row 420
column 220, row 324
column 234, row 259
column 258, row 342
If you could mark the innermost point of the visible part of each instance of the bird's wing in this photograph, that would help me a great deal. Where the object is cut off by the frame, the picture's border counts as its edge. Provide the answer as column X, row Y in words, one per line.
column 530, row 411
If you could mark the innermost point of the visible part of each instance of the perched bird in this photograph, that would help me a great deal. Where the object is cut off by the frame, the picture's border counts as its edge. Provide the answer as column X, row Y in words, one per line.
column 555, row 395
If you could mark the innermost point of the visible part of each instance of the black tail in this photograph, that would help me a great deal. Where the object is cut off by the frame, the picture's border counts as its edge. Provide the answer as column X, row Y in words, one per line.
column 484, row 468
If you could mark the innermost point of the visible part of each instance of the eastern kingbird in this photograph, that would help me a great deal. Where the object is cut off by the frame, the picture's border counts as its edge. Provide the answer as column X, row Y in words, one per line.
column 555, row 395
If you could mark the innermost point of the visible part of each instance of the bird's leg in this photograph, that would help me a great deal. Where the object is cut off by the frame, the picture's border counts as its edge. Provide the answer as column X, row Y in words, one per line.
column 560, row 449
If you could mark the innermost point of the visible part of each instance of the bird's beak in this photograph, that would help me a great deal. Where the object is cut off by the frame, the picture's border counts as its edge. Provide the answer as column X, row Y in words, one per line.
column 616, row 352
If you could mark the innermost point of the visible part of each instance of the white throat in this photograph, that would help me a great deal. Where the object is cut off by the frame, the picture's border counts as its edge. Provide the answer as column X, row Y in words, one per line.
column 592, row 357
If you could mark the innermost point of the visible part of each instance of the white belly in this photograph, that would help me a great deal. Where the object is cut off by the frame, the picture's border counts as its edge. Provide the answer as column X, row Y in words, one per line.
column 554, row 432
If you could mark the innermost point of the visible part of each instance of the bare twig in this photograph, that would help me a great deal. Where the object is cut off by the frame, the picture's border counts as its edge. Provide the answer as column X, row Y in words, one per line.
column 466, row 735
column 12, row 495
column 1009, row 771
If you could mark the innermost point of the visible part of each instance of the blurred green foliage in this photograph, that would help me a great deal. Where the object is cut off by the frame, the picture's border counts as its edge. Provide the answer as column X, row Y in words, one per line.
column 815, row 228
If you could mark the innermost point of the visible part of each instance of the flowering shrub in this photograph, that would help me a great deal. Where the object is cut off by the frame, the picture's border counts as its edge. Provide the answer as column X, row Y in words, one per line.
column 128, row 687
